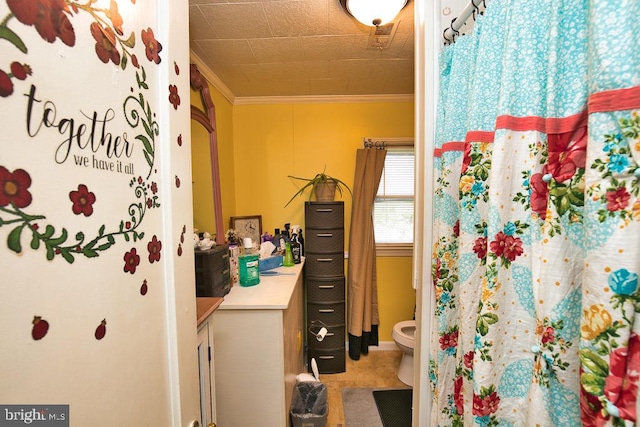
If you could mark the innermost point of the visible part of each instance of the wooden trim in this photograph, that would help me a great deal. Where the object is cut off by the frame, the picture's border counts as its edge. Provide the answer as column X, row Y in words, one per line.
column 199, row 83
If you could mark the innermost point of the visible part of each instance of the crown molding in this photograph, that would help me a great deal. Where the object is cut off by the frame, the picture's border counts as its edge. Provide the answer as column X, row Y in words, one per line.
column 303, row 99
column 322, row 99
column 212, row 78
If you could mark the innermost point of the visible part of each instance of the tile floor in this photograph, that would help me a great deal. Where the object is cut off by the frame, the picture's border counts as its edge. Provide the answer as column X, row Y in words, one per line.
column 377, row 369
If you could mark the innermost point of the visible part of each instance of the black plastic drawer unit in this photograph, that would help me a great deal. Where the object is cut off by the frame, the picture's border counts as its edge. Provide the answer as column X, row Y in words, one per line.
column 325, row 294
column 213, row 272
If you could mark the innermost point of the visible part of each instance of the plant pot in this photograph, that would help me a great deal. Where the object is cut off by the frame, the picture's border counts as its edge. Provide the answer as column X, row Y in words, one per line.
column 325, row 191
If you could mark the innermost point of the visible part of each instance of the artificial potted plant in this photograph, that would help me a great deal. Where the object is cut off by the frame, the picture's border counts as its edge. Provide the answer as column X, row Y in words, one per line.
column 323, row 186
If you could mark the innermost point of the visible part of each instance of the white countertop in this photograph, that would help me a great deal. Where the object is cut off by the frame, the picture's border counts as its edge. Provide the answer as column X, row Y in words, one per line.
column 273, row 292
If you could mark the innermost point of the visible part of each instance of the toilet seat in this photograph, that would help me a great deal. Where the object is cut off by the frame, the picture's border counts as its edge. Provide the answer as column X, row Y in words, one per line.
column 404, row 332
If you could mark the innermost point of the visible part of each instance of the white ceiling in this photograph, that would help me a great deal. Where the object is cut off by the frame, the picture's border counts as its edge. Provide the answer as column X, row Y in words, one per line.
column 259, row 48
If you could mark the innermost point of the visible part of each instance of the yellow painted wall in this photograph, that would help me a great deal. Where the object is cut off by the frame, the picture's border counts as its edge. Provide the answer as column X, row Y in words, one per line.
column 260, row 145
column 273, row 141
column 396, row 296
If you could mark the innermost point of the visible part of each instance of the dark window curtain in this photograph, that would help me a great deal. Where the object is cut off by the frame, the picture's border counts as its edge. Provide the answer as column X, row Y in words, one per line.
column 361, row 279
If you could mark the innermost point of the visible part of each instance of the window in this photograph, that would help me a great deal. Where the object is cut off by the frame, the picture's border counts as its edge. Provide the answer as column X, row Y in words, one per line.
column 393, row 206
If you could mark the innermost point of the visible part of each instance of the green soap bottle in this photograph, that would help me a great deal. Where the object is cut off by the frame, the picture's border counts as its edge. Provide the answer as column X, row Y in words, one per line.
column 288, row 256
column 248, row 265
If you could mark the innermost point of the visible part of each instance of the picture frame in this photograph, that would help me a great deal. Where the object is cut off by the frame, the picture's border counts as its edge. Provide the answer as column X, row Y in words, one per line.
column 247, row 226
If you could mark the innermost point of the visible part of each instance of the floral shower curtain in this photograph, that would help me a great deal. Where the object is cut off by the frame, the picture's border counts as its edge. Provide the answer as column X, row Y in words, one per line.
column 536, row 249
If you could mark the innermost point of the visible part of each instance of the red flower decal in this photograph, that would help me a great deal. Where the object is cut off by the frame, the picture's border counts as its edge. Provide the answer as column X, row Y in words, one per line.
column 40, row 328
column 13, row 188
column 617, row 199
column 131, row 261
column 456, row 229
column 174, row 98
column 567, row 153
column 539, row 195
column 101, row 330
column 154, row 247
column 176, row 68
column 154, row 187
column 180, row 140
column 153, row 47
column 480, row 247
column 144, row 288
column 506, row 246
column 6, row 85
column 20, row 71
column 83, row 200
column 105, row 43
column 48, row 16
column 116, row 18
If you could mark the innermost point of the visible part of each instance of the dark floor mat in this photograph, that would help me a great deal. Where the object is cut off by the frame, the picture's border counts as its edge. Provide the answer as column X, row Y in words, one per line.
column 394, row 406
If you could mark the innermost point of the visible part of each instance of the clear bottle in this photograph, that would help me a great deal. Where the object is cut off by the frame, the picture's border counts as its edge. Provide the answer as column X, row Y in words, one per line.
column 248, row 265
column 295, row 247
column 301, row 240
column 234, row 253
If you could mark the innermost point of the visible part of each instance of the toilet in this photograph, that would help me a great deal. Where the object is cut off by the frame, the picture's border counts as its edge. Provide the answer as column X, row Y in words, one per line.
column 403, row 334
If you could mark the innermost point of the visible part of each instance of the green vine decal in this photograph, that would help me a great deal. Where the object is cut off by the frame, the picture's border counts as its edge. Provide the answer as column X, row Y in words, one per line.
column 134, row 118
column 111, row 45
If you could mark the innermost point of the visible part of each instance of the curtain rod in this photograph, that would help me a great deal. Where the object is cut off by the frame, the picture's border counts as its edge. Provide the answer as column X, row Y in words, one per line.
column 471, row 9
column 387, row 142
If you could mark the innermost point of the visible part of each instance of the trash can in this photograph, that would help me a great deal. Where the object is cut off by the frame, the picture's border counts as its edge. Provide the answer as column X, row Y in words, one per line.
column 309, row 407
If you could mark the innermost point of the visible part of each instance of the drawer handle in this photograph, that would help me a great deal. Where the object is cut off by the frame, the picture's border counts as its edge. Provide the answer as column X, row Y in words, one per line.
column 326, row 310
column 325, row 259
column 225, row 271
column 327, row 357
column 326, row 286
column 330, row 334
column 324, row 234
column 324, row 210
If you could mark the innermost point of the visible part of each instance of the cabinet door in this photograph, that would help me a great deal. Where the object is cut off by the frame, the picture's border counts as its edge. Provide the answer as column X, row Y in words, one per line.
column 205, row 368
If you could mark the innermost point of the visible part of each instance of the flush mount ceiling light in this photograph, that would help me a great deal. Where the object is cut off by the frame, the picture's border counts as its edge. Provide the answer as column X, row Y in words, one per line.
column 374, row 12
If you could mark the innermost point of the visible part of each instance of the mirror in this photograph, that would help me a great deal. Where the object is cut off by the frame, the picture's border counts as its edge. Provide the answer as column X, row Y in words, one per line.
column 207, row 119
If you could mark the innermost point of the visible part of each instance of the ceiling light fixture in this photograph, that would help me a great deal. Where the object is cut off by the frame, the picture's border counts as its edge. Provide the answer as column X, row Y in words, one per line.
column 374, row 12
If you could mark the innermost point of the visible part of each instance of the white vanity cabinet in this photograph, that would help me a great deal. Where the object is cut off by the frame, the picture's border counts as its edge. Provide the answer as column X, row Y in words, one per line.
column 258, row 333
column 205, row 308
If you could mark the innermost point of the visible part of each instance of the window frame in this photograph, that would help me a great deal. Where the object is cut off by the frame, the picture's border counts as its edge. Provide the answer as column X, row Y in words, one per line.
column 394, row 249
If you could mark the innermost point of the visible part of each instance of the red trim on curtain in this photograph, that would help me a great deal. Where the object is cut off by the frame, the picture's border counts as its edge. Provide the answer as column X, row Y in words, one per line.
column 541, row 124
column 615, row 100
column 479, row 136
column 448, row 146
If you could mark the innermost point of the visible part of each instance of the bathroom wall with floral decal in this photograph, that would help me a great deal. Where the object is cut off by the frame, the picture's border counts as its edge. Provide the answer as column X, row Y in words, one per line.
column 92, row 213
